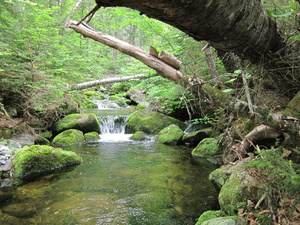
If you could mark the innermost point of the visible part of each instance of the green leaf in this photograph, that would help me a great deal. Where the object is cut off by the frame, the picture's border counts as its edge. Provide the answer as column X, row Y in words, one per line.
column 231, row 80
column 238, row 71
column 227, row 90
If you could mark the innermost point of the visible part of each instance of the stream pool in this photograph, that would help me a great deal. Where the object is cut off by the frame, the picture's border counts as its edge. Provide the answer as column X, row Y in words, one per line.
column 119, row 182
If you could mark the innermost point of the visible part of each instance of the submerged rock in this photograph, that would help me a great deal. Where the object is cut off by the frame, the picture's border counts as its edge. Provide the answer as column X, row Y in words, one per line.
column 171, row 135
column 87, row 122
column 150, row 122
column 68, row 137
column 42, row 159
column 139, row 136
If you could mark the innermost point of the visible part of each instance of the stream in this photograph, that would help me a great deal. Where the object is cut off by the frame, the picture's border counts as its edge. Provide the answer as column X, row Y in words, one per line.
column 119, row 182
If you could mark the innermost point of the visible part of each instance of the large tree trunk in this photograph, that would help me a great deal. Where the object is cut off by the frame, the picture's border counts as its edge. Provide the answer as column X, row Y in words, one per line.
column 241, row 26
column 237, row 26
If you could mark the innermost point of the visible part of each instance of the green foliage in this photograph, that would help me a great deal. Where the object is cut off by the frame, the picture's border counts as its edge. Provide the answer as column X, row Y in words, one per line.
column 280, row 175
column 204, row 120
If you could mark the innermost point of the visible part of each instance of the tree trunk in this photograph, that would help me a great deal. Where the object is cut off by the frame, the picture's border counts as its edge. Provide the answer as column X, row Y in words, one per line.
column 108, row 81
column 237, row 26
column 241, row 26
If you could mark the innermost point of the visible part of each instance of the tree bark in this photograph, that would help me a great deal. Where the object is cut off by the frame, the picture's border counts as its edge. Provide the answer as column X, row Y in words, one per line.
column 108, row 81
column 240, row 26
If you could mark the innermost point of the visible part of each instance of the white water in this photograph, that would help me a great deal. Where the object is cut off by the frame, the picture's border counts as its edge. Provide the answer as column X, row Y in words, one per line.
column 112, row 126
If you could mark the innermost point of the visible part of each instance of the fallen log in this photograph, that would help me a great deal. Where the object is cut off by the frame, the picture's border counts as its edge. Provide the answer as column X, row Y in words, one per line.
column 163, row 68
column 108, row 81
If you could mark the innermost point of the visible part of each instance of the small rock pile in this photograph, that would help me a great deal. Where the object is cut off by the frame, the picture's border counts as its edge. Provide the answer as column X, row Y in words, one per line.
column 7, row 150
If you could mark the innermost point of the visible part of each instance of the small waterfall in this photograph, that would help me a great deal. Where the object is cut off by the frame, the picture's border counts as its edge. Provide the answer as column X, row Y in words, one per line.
column 113, row 124
column 113, row 128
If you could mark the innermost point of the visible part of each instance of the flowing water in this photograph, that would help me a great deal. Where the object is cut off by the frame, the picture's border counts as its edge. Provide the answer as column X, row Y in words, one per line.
column 119, row 182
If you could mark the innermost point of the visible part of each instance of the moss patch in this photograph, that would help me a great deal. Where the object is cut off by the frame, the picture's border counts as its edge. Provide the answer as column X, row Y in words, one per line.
column 208, row 215
column 91, row 136
column 68, row 137
column 150, row 122
column 87, row 122
column 206, row 147
column 138, row 136
column 41, row 159
column 171, row 135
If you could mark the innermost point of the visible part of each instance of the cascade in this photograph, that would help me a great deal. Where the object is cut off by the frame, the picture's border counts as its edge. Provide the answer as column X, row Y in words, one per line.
column 113, row 121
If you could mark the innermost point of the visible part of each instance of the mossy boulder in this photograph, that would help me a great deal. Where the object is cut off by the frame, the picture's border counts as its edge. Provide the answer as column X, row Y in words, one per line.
column 41, row 159
column 206, row 147
column 171, row 135
column 238, row 188
column 118, row 100
column 68, row 137
column 208, row 215
column 139, row 136
column 91, row 136
column 195, row 137
column 219, row 176
column 143, row 105
column 87, row 122
column 93, row 95
column 136, row 95
column 150, row 122
column 228, row 220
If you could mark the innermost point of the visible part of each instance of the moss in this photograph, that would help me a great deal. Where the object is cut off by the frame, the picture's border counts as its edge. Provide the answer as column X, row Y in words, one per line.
column 91, row 136
column 39, row 140
column 41, row 159
column 208, row 215
column 206, row 147
column 118, row 100
column 228, row 220
column 150, row 122
column 293, row 108
column 87, row 122
column 68, row 137
column 47, row 135
column 171, row 135
column 93, row 95
column 138, row 136
column 239, row 188
column 142, row 105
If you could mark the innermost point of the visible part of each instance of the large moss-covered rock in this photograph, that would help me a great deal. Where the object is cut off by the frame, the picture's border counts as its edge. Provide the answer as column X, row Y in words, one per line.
column 171, row 135
column 208, row 215
column 150, row 122
column 87, row 122
column 94, row 95
column 238, row 188
column 206, row 147
column 41, row 159
column 68, row 137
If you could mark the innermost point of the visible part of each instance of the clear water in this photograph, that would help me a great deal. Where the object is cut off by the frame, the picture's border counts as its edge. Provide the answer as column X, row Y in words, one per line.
column 119, row 182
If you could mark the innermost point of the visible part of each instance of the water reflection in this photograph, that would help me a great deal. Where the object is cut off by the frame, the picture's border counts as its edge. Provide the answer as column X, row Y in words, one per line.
column 118, row 183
